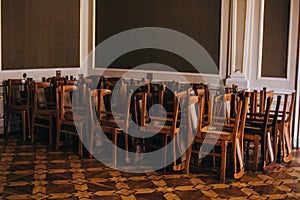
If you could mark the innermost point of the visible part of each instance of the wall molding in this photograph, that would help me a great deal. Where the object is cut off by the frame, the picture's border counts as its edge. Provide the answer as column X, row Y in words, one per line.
column 239, row 79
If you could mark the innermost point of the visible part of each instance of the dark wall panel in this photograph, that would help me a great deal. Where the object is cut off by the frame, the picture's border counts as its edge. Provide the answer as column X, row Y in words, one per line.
column 275, row 40
column 40, row 34
column 199, row 19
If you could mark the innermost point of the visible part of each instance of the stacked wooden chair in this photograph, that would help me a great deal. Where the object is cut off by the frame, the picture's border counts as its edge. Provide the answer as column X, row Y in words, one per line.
column 284, row 128
column 261, row 130
column 105, row 121
column 72, row 117
column 223, row 131
column 18, row 104
column 43, row 109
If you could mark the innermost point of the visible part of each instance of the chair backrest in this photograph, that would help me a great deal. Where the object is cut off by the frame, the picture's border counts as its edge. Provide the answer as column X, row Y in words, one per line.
column 158, row 92
column 168, row 94
column 240, row 118
column 173, row 86
column 274, row 117
column 155, row 94
column 223, row 105
column 97, row 102
column 253, row 102
column 42, row 96
column 107, row 82
column 199, row 89
column 181, row 105
column 197, row 117
column 288, row 110
column 266, row 114
column 245, row 97
column 102, row 102
column 221, row 112
column 18, row 92
column 68, row 98
column 138, row 108
column 258, row 101
column 120, row 92
column 141, row 105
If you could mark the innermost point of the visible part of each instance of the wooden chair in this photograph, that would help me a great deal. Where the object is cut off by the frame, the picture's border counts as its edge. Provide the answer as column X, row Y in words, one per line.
column 110, row 123
column 224, row 132
column 168, row 126
column 284, row 128
column 196, row 105
column 154, row 92
column 71, row 99
column 18, row 103
column 272, row 137
column 260, row 129
column 43, row 109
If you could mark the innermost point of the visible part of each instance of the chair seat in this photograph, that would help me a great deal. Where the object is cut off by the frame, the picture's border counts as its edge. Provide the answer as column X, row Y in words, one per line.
column 109, row 121
column 71, row 117
column 216, row 133
column 158, row 128
column 18, row 107
column 252, row 130
column 44, row 112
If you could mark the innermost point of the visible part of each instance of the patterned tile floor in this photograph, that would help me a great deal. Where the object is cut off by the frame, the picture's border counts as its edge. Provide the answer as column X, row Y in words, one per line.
column 38, row 172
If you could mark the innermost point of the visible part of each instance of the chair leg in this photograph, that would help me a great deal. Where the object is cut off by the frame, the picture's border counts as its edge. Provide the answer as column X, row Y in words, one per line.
column 115, row 139
column 214, row 157
column 270, row 152
column 174, row 150
column 247, row 149
column 188, row 159
column 287, row 157
column 6, row 122
column 255, row 161
column 80, row 150
column 92, row 131
column 166, row 151
column 280, row 148
column 32, row 129
column 223, row 160
column 57, row 136
column 23, row 126
column 127, row 159
column 50, row 131
column 238, row 173
column 28, row 120
column 263, row 141
column 234, row 154
column 189, row 150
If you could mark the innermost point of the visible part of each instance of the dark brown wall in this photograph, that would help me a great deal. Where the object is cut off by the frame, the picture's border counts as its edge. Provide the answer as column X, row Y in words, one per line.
column 40, row 33
column 199, row 19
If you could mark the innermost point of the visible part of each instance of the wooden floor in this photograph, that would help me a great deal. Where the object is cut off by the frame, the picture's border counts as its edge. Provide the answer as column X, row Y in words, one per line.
column 38, row 172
